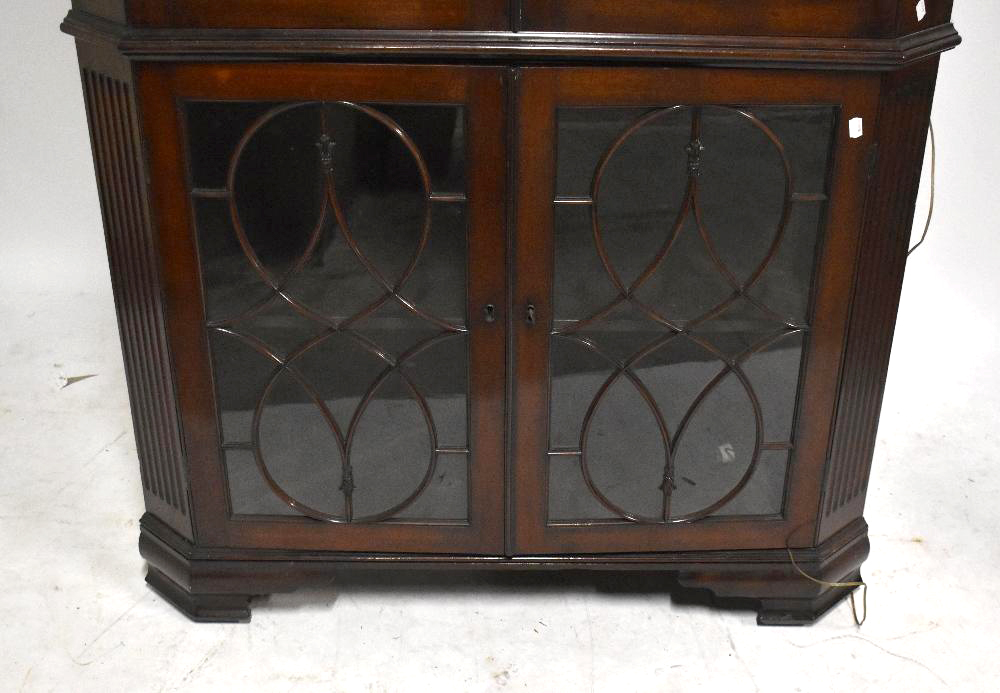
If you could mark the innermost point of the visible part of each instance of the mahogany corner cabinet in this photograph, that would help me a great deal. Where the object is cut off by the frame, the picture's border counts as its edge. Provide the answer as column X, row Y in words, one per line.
column 514, row 284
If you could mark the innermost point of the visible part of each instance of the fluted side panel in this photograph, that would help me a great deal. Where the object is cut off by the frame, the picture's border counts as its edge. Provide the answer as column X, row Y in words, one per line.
column 136, row 282
column 902, row 132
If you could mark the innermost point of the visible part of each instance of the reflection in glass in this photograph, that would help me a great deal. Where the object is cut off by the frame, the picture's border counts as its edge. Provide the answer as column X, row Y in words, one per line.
column 764, row 493
column 685, row 246
column 569, row 498
column 333, row 244
column 248, row 492
column 446, row 496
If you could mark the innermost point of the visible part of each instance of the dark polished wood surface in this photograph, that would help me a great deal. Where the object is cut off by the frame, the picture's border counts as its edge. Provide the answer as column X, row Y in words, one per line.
column 856, row 18
column 832, row 18
column 305, row 14
column 814, row 52
column 511, row 66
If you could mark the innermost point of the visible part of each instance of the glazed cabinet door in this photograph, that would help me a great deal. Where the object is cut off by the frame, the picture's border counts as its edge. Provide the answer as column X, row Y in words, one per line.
column 333, row 250
column 683, row 257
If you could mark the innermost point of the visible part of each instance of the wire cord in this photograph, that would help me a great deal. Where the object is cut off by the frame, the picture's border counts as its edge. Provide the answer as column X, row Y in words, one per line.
column 930, row 210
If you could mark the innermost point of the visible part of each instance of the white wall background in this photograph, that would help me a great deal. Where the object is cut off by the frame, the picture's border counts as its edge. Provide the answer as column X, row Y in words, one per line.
column 76, row 616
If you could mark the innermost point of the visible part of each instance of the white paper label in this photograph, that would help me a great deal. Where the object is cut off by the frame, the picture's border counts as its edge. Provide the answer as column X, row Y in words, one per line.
column 856, row 128
column 921, row 10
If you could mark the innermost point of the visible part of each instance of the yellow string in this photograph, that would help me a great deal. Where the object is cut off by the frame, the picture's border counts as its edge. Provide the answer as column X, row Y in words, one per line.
column 853, row 585
column 844, row 585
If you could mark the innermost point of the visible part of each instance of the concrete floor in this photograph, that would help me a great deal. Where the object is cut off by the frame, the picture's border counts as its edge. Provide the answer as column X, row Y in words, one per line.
column 77, row 617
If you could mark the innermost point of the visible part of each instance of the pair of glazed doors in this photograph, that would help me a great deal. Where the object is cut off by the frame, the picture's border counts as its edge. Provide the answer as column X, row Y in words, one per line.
column 496, row 311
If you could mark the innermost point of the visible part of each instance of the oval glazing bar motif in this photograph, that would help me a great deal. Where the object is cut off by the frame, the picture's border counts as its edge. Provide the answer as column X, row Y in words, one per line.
column 643, row 315
column 346, row 310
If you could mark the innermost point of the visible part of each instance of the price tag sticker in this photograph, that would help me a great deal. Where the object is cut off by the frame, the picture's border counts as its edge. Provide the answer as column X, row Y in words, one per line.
column 921, row 10
column 856, row 128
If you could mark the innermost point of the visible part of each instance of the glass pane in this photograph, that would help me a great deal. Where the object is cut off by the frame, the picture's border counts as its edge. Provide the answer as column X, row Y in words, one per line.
column 441, row 374
column 392, row 450
column 446, row 496
column 584, row 134
column 249, row 493
column 277, row 196
column 231, row 284
column 626, row 453
column 784, row 287
column 806, row 134
column 216, row 128
column 569, row 498
column 438, row 281
column 581, row 285
column 241, row 376
column 298, row 446
column 333, row 241
column 677, row 375
column 438, row 132
column 638, row 209
column 764, row 493
column 716, row 449
column 578, row 372
column 685, row 249
column 773, row 373
column 741, row 189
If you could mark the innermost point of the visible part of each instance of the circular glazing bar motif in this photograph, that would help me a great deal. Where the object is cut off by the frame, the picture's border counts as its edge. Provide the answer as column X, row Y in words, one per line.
column 689, row 206
column 392, row 291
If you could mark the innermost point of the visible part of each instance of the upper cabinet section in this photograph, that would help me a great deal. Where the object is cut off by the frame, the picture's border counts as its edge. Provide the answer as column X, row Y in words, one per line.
column 814, row 34
column 305, row 14
column 814, row 18
column 779, row 18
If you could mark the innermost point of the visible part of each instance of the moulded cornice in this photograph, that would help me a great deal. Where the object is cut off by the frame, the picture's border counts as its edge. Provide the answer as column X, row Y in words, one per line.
column 454, row 46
